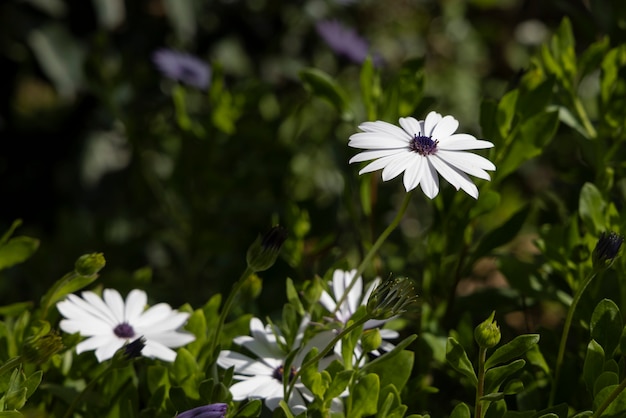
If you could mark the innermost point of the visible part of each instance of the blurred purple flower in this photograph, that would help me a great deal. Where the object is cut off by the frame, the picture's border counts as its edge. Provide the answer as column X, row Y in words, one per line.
column 215, row 410
column 345, row 41
column 183, row 67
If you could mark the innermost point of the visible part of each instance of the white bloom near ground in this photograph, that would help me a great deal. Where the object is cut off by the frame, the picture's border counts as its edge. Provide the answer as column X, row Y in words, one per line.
column 421, row 149
column 110, row 323
column 263, row 377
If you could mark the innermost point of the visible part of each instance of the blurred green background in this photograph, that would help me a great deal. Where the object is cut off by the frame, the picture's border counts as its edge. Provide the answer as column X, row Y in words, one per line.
column 98, row 154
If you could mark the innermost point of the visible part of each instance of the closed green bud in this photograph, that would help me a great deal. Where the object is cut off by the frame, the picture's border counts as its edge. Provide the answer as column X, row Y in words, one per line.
column 371, row 339
column 89, row 264
column 487, row 334
column 263, row 252
column 39, row 349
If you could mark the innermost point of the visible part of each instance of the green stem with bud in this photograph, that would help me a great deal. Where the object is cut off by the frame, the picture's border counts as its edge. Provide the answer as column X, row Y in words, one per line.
column 564, row 335
column 370, row 254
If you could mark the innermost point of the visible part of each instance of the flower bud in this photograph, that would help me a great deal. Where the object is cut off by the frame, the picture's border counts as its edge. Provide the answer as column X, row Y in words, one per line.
column 487, row 334
column 391, row 298
column 215, row 410
column 263, row 252
column 134, row 348
column 606, row 249
column 371, row 339
column 38, row 350
column 89, row 264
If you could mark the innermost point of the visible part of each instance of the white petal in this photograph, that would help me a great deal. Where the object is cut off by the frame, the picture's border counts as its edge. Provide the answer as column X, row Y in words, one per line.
column 430, row 180
column 455, row 177
column 446, row 127
column 397, row 165
column 327, row 302
column 374, row 140
column 98, row 341
column 93, row 305
column 368, row 291
column 114, row 301
column 170, row 339
column 388, row 334
column 172, row 322
column 353, row 299
column 135, row 304
column 378, row 164
column 89, row 327
column 372, row 155
column 432, row 119
column 243, row 364
column 386, row 128
column 411, row 126
column 414, row 172
column 253, row 387
column 296, row 402
column 460, row 142
column 340, row 282
column 462, row 159
column 106, row 351
column 152, row 316
column 154, row 349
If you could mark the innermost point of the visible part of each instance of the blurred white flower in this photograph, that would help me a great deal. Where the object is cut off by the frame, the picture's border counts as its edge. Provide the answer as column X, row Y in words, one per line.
column 421, row 149
column 263, row 378
column 109, row 322
column 349, row 305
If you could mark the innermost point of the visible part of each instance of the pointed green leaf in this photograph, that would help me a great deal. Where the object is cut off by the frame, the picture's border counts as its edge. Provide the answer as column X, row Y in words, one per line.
column 513, row 349
column 461, row 411
column 591, row 207
column 593, row 365
column 604, row 380
column 457, row 357
column 606, row 325
column 497, row 375
column 17, row 250
column 365, row 396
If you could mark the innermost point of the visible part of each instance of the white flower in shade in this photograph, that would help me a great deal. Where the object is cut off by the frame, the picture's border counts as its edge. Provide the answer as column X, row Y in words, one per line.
column 349, row 305
column 421, row 149
column 263, row 377
column 110, row 323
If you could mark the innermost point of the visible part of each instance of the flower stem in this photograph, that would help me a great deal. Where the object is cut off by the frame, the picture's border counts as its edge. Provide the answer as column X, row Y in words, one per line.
column 228, row 305
column 480, row 387
column 375, row 247
column 566, row 327
column 610, row 399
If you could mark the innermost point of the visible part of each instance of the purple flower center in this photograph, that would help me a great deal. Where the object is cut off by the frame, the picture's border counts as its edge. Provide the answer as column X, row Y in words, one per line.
column 124, row 330
column 423, row 145
column 279, row 373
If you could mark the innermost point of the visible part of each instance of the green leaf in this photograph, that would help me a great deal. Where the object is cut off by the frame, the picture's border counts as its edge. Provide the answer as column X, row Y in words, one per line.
column 338, row 385
column 604, row 380
column 497, row 375
column 324, row 86
column 506, row 112
column 461, row 411
column 17, row 250
column 364, row 397
column 617, row 408
column 370, row 88
column 513, row 387
column 513, row 349
column 285, row 408
column 251, row 409
column 591, row 207
column 293, row 298
column 394, row 370
column 502, row 234
column 492, row 397
column 457, row 357
column 32, row 382
column 606, row 325
column 593, row 365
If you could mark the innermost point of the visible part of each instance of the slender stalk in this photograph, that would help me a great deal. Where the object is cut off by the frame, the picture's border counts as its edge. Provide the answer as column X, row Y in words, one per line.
column 86, row 390
column 228, row 305
column 612, row 396
column 370, row 254
column 564, row 335
column 480, row 387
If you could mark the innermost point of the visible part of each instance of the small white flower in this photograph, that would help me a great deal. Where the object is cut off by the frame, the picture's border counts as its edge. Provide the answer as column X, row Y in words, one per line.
column 263, row 377
column 352, row 301
column 421, row 149
column 110, row 323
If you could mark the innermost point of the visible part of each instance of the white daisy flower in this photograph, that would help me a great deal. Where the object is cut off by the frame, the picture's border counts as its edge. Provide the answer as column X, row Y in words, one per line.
column 263, row 378
column 421, row 149
column 349, row 305
column 110, row 323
